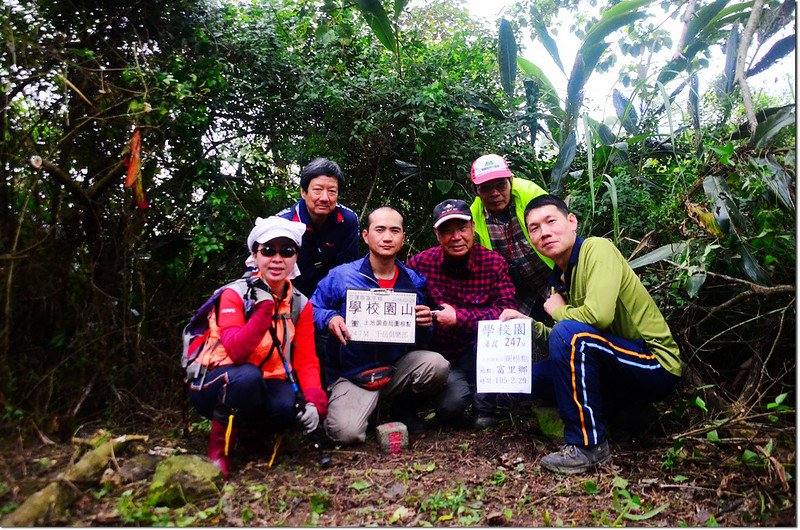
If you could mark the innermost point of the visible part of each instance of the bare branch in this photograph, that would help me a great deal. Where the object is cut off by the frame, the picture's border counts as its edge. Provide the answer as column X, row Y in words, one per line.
column 741, row 59
column 688, row 15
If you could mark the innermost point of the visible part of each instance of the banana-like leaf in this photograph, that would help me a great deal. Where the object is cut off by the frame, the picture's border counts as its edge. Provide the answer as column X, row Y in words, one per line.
column 729, row 15
column 399, row 6
column 507, row 57
column 612, row 192
column 625, row 112
column 622, row 14
column 547, row 92
column 547, row 41
column 779, row 50
column 664, row 252
column 531, row 101
column 565, row 157
column 378, row 20
column 676, row 66
column 589, row 159
column 694, row 101
column 715, row 188
column 731, row 51
column 668, row 107
column 705, row 20
column 767, row 129
column 750, row 265
column 605, row 134
column 778, row 181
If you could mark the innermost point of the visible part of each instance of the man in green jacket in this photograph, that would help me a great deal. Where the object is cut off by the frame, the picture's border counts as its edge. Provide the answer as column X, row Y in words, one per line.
column 499, row 214
column 610, row 344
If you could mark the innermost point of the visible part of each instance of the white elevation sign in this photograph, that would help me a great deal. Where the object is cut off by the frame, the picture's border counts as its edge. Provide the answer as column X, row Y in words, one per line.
column 381, row 315
column 504, row 356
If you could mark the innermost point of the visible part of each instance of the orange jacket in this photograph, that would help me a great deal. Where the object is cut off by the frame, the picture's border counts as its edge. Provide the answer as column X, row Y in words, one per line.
column 297, row 341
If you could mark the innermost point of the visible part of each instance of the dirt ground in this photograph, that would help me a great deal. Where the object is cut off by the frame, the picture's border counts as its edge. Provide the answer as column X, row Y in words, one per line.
column 443, row 478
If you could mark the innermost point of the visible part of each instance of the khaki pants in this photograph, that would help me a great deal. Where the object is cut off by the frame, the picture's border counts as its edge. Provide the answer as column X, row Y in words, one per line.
column 350, row 406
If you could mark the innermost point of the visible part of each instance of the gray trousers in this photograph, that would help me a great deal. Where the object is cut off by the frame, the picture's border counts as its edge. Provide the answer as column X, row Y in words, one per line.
column 350, row 406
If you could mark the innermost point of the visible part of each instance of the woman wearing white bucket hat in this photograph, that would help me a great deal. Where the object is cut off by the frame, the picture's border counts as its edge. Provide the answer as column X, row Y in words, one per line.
column 260, row 326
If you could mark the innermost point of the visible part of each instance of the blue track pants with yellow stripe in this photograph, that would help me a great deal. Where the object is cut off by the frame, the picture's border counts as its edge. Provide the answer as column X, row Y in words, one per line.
column 589, row 365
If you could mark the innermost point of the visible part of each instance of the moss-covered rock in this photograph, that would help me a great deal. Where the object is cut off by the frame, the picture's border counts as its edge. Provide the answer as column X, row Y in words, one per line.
column 184, row 479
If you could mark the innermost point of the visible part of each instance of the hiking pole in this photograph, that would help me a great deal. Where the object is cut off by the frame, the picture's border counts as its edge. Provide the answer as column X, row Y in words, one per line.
column 299, row 398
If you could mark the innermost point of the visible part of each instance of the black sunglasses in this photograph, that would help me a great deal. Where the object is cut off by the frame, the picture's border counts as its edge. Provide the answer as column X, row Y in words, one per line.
column 285, row 252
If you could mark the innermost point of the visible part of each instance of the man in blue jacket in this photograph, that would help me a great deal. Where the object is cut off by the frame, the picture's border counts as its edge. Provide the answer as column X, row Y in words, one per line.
column 416, row 373
column 331, row 236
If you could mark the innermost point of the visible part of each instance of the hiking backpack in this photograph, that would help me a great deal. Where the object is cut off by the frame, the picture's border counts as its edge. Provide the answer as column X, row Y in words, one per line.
column 197, row 332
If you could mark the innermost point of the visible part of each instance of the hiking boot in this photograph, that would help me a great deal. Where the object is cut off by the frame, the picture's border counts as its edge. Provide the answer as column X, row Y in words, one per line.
column 482, row 422
column 219, row 444
column 576, row 459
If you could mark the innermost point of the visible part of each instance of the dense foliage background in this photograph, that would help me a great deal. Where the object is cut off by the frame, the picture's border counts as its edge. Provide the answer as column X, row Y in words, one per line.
column 696, row 182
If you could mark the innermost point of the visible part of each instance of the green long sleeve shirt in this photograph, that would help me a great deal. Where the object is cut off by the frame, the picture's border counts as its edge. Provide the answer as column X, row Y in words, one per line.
column 606, row 294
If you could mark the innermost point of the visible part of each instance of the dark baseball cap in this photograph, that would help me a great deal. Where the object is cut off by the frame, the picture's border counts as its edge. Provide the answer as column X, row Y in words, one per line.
column 450, row 209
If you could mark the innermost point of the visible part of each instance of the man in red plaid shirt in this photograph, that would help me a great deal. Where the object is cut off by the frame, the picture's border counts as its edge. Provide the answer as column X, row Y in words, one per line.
column 467, row 283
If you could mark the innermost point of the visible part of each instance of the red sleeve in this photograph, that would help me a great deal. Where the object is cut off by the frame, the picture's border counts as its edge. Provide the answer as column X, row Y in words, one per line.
column 239, row 338
column 306, row 363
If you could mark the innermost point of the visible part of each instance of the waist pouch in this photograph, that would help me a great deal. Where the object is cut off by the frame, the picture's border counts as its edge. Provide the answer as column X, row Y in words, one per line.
column 374, row 378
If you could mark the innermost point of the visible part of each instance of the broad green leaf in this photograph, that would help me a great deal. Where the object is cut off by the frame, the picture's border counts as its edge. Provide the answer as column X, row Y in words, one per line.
column 399, row 6
column 767, row 129
column 378, row 20
column 779, row 50
column 712, row 436
column 625, row 112
column 444, row 185
column 646, row 515
column 507, row 57
column 694, row 282
column 750, row 457
column 663, row 252
column 679, row 478
column 547, row 41
column 550, row 422
column 590, row 486
column 565, row 157
column 724, row 153
column 698, row 401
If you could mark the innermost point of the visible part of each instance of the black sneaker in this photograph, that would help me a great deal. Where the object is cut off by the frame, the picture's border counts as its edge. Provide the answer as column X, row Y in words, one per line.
column 576, row 459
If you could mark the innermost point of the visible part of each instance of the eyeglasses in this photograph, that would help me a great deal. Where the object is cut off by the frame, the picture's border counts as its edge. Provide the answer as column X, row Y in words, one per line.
column 499, row 185
column 285, row 252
